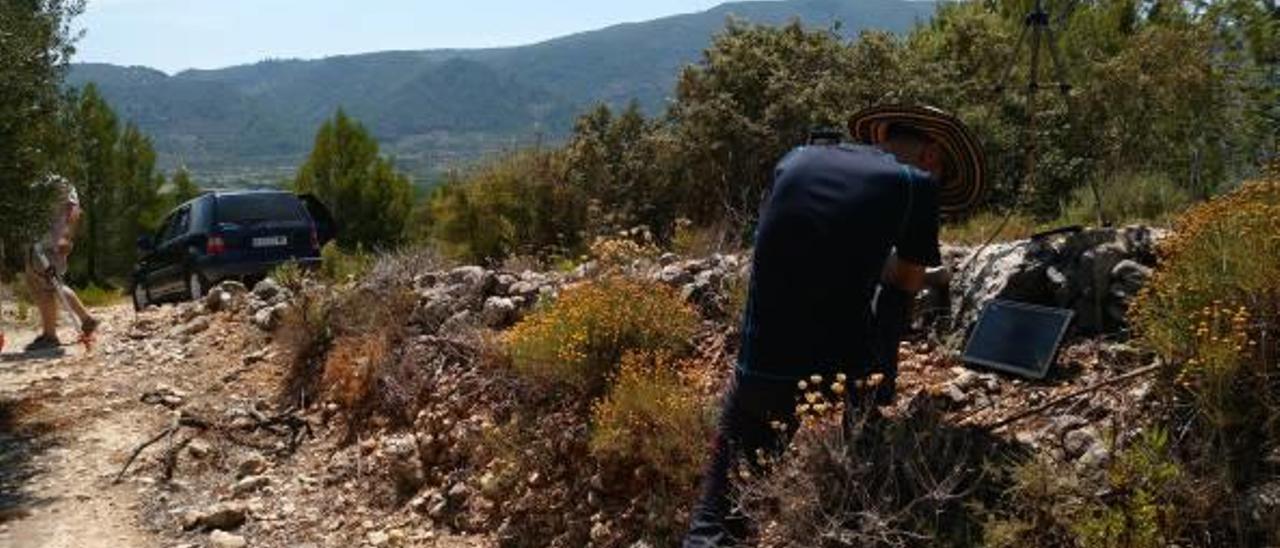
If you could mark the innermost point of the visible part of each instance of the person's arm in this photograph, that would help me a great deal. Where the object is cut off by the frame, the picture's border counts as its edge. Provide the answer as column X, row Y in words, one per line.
column 68, row 229
column 901, row 280
column 903, row 276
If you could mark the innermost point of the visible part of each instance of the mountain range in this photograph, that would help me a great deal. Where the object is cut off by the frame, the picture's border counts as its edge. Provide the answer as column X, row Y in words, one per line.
column 434, row 109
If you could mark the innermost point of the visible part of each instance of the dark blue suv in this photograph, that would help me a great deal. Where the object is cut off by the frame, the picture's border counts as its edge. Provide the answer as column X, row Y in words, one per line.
column 220, row 236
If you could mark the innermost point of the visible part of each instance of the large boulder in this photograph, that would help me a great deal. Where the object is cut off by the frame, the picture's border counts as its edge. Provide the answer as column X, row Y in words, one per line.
column 1095, row 273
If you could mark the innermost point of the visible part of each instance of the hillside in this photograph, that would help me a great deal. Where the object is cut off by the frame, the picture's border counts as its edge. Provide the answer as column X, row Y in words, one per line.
column 432, row 109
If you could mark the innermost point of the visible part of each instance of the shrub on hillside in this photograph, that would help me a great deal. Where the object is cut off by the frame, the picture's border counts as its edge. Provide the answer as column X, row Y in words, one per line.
column 1211, row 312
column 1212, row 307
column 909, row 480
column 516, row 205
column 617, row 253
column 580, row 338
column 1145, row 484
column 1128, row 199
column 653, row 418
column 340, row 266
column 1139, row 499
column 347, row 377
column 344, row 341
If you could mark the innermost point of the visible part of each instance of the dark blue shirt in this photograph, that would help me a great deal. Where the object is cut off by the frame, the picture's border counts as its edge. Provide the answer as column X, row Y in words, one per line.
column 834, row 215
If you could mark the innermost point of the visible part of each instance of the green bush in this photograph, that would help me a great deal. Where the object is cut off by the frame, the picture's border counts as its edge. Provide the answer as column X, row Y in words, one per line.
column 94, row 296
column 1138, row 499
column 1128, row 199
column 1144, row 481
column 580, row 338
column 517, row 205
column 369, row 198
column 340, row 266
column 289, row 275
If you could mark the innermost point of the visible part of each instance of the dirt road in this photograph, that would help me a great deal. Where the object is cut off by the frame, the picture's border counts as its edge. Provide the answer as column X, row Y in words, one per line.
column 68, row 424
column 64, row 422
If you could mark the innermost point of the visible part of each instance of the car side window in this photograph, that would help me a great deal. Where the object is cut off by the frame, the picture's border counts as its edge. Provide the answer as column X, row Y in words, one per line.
column 176, row 225
column 183, row 222
column 165, row 230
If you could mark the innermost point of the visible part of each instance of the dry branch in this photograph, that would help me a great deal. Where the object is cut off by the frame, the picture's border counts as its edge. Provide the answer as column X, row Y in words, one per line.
column 1068, row 397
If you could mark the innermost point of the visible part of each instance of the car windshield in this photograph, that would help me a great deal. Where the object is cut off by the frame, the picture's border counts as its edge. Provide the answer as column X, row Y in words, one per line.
column 250, row 208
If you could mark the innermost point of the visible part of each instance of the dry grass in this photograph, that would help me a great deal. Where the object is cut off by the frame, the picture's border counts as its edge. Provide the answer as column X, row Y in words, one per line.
column 1126, row 199
column 653, row 417
column 874, row 481
column 348, row 375
column 345, row 341
column 977, row 229
column 694, row 241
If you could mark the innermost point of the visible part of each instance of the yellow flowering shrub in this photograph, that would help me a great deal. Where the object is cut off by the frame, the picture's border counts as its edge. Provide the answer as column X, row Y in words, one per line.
column 580, row 338
column 653, row 417
column 1211, row 312
column 618, row 254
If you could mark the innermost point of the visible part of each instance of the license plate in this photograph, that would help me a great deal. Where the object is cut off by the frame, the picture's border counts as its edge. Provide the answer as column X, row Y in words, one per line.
column 270, row 241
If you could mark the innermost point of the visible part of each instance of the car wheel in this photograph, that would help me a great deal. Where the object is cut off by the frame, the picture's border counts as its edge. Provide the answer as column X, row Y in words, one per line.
column 195, row 286
column 141, row 297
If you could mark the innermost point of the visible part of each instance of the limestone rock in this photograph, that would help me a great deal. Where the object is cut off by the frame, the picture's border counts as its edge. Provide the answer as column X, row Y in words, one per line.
column 1094, row 272
column 223, row 539
column 250, row 484
column 268, row 291
column 268, row 318
column 498, row 312
column 224, row 516
column 252, row 465
column 403, row 463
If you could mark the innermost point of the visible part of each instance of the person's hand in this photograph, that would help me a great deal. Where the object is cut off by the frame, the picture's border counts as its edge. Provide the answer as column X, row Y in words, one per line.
column 64, row 247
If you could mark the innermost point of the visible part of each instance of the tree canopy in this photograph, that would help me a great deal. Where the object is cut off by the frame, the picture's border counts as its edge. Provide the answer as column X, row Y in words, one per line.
column 1183, row 94
column 36, row 43
column 370, row 200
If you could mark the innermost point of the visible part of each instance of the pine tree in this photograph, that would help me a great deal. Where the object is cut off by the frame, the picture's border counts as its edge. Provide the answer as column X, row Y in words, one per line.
column 369, row 199
column 182, row 189
column 96, row 129
column 35, row 44
column 115, row 173
column 136, row 191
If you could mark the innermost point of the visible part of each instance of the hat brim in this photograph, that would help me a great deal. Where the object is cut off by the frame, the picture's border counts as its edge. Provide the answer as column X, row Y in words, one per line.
column 964, row 186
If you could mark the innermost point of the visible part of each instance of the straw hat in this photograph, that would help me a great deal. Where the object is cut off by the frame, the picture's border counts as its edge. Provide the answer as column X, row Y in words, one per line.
column 965, row 182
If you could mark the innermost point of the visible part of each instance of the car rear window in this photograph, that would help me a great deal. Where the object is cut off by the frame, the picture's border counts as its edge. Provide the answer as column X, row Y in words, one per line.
column 247, row 208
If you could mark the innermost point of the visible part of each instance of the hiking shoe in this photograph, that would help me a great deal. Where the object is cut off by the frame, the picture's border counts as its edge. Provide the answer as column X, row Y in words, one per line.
column 89, row 325
column 43, row 342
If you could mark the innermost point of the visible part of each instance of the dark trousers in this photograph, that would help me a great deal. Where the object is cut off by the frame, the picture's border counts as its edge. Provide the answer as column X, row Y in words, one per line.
column 746, row 430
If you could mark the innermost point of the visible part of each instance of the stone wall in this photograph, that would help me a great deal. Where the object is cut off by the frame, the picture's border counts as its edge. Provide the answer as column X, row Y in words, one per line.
column 1094, row 272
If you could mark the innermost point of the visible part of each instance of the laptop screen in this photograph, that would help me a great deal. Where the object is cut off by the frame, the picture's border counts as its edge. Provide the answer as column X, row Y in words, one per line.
column 1017, row 338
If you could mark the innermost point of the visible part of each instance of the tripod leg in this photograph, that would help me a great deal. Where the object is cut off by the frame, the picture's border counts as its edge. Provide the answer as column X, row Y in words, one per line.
column 1013, row 60
column 1033, row 88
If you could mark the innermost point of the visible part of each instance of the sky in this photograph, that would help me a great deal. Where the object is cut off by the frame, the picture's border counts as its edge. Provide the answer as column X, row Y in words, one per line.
column 173, row 35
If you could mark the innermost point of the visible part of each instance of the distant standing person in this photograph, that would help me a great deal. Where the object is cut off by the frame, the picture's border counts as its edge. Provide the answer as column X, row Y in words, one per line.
column 47, row 263
column 842, row 246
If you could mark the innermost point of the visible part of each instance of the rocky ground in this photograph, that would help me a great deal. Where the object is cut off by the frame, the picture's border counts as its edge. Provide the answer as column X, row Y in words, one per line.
column 231, row 462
